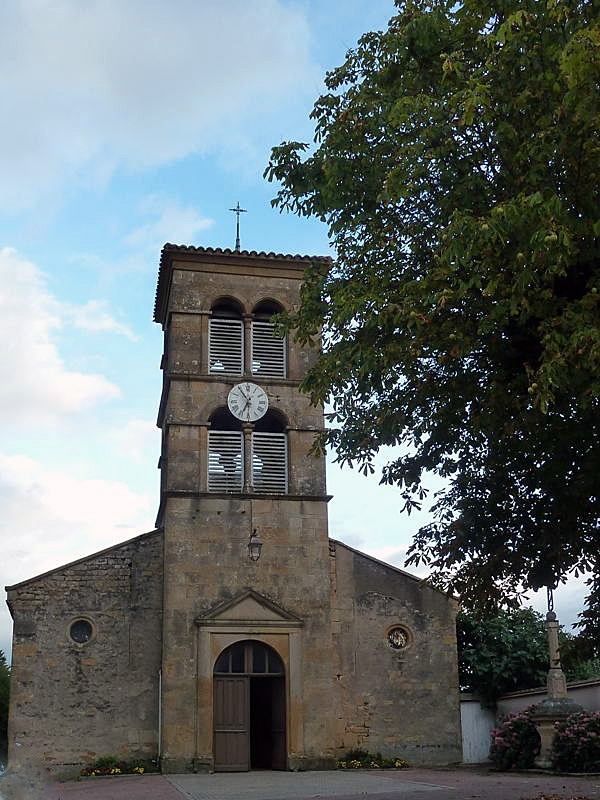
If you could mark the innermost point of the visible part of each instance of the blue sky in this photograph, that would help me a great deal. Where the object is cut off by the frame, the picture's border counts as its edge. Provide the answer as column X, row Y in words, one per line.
column 128, row 123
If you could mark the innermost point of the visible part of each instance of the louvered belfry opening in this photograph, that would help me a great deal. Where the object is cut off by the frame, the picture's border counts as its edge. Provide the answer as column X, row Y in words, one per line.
column 269, row 463
column 226, row 339
column 269, row 351
column 269, row 460
column 225, row 453
column 270, row 454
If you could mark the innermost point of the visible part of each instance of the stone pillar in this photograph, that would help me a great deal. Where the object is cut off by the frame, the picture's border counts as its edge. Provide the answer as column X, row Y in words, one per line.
column 557, row 684
column 557, row 706
column 247, row 367
column 248, row 482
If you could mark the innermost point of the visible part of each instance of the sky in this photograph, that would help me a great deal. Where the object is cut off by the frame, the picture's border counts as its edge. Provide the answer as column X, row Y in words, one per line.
column 127, row 124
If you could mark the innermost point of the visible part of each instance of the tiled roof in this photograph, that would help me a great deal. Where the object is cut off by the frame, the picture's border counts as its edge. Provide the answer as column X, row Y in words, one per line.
column 170, row 250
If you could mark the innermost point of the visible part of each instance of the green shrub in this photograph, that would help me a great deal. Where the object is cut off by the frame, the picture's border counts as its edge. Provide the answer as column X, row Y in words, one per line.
column 515, row 742
column 106, row 762
column 584, row 670
column 576, row 746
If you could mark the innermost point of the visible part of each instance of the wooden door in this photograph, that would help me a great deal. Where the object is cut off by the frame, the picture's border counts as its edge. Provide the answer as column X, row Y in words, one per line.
column 232, row 723
column 278, row 722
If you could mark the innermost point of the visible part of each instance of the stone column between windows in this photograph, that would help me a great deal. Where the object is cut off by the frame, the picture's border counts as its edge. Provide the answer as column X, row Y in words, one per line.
column 204, row 360
column 203, row 437
column 247, row 429
column 247, row 367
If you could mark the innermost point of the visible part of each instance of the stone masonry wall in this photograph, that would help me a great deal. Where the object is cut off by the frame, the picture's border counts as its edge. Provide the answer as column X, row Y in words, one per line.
column 72, row 703
column 397, row 702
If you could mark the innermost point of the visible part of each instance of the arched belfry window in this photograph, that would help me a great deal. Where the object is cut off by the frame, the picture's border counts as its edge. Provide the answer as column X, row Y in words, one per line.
column 226, row 339
column 270, row 454
column 269, row 351
column 225, row 453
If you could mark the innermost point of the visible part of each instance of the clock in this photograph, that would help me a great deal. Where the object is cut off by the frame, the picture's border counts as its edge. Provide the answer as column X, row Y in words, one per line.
column 247, row 402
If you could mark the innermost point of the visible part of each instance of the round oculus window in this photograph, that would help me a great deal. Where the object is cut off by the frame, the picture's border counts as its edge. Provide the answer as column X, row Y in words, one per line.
column 398, row 638
column 81, row 631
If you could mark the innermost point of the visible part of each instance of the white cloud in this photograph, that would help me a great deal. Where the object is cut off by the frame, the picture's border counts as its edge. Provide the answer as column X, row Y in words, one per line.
column 172, row 223
column 49, row 517
column 91, row 87
column 367, row 515
column 36, row 385
column 139, row 440
column 94, row 317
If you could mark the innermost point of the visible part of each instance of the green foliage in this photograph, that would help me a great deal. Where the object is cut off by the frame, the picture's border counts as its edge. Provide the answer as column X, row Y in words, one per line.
column 362, row 759
column 576, row 746
column 585, row 670
column 508, row 651
column 502, row 653
column 106, row 762
column 457, row 166
column 4, row 699
column 580, row 657
column 515, row 742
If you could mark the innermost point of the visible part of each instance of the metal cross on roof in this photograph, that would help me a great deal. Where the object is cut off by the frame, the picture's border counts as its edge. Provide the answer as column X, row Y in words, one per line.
column 237, row 210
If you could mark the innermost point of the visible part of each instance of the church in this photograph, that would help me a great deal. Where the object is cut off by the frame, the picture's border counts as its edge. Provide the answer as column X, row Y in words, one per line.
column 236, row 635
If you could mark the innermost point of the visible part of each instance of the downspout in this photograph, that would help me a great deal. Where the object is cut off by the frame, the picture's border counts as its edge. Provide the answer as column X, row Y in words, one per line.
column 159, row 714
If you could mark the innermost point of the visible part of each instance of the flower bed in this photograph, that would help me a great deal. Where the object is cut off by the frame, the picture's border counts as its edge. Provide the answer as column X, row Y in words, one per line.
column 111, row 766
column 361, row 759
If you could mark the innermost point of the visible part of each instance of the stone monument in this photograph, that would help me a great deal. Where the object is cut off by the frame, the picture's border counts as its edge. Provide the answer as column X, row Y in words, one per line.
column 557, row 705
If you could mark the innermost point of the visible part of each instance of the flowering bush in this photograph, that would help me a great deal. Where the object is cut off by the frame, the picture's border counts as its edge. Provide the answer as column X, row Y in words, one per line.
column 361, row 759
column 576, row 746
column 515, row 742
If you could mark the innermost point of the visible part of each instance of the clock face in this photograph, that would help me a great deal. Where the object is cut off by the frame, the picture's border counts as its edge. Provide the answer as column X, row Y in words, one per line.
column 247, row 402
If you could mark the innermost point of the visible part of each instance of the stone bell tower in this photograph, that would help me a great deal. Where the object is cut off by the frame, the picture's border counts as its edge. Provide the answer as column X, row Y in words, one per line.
column 247, row 664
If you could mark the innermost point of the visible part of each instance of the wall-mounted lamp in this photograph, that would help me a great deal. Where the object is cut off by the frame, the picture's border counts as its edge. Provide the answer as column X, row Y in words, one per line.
column 254, row 546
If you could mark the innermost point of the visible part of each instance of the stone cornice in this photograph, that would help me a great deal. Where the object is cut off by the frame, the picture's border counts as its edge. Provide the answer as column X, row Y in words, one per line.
column 223, row 258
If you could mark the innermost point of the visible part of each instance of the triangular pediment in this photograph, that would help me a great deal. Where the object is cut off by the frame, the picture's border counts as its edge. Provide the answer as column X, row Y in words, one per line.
column 248, row 606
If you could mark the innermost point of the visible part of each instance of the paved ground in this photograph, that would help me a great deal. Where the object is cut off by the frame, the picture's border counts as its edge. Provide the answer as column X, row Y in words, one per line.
column 410, row 784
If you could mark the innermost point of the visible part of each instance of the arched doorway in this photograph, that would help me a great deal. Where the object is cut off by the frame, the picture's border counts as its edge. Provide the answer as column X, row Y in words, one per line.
column 249, row 708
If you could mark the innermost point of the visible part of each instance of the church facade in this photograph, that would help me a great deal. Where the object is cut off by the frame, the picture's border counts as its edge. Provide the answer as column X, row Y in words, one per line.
column 236, row 635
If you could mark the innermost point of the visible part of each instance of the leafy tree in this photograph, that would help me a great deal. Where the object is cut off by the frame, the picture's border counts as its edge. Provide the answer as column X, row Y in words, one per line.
column 502, row 653
column 457, row 166
column 508, row 651
column 4, row 697
column 580, row 657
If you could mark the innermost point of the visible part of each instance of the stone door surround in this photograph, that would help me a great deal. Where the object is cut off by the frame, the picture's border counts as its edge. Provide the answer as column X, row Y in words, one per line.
column 248, row 615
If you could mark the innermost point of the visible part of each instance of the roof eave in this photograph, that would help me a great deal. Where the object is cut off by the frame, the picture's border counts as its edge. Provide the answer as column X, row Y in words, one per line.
column 192, row 253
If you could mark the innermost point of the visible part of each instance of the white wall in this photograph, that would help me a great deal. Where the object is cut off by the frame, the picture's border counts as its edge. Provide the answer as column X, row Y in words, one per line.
column 585, row 693
column 476, row 723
